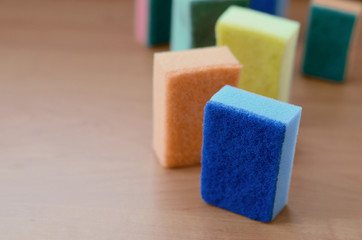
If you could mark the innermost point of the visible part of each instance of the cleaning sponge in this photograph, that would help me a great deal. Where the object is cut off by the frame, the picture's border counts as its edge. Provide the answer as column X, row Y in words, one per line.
column 182, row 84
column 276, row 7
column 332, row 29
column 153, row 19
column 193, row 22
column 265, row 45
column 247, row 153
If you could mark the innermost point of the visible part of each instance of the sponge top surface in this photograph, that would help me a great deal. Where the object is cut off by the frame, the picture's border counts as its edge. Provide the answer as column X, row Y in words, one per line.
column 354, row 7
column 196, row 58
column 257, row 104
column 252, row 20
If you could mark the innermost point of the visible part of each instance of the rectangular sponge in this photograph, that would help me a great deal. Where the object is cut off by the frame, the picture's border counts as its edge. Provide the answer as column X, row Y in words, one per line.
column 332, row 30
column 193, row 22
column 265, row 45
column 248, row 152
column 153, row 20
column 275, row 7
column 182, row 84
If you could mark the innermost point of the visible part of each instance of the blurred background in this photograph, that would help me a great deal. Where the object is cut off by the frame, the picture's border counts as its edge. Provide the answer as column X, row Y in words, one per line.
column 76, row 157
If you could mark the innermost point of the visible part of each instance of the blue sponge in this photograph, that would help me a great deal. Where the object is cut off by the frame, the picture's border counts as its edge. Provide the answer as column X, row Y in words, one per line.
column 276, row 7
column 247, row 152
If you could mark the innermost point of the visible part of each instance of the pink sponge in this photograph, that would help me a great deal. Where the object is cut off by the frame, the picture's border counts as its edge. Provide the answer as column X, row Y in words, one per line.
column 141, row 20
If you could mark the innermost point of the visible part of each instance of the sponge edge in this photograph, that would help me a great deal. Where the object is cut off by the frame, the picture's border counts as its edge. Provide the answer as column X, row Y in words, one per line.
column 286, row 163
column 180, row 24
column 248, row 151
column 183, row 83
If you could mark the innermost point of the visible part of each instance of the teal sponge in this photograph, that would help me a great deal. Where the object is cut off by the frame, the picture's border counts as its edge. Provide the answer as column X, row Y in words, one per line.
column 193, row 22
column 152, row 21
column 160, row 22
column 248, row 152
column 328, row 42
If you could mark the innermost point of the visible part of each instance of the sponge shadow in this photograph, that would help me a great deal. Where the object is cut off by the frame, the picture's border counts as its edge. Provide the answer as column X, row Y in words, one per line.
column 284, row 217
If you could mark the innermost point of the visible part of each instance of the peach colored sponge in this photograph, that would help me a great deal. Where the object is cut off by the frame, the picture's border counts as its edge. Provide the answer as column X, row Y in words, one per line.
column 182, row 84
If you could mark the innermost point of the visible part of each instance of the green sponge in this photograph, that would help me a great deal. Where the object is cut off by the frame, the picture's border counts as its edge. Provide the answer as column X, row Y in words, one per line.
column 264, row 45
column 330, row 33
column 160, row 21
column 193, row 22
column 152, row 21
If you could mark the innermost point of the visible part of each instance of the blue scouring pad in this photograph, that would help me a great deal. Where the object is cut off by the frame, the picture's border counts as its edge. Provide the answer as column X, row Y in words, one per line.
column 247, row 153
column 276, row 7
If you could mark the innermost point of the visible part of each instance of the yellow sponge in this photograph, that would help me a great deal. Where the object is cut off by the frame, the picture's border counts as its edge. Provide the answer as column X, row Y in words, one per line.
column 264, row 45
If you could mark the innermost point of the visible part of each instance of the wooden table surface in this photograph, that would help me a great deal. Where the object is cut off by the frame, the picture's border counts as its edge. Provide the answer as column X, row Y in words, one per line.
column 76, row 159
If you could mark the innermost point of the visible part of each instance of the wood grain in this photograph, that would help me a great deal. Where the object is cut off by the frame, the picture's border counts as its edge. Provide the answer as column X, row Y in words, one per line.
column 76, row 159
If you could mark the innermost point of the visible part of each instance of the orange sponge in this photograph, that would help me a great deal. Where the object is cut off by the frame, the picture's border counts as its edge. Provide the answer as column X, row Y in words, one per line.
column 182, row 84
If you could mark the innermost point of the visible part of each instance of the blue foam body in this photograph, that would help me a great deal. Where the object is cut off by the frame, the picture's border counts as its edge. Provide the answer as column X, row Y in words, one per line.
column 247, row 154
column 276, row 7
